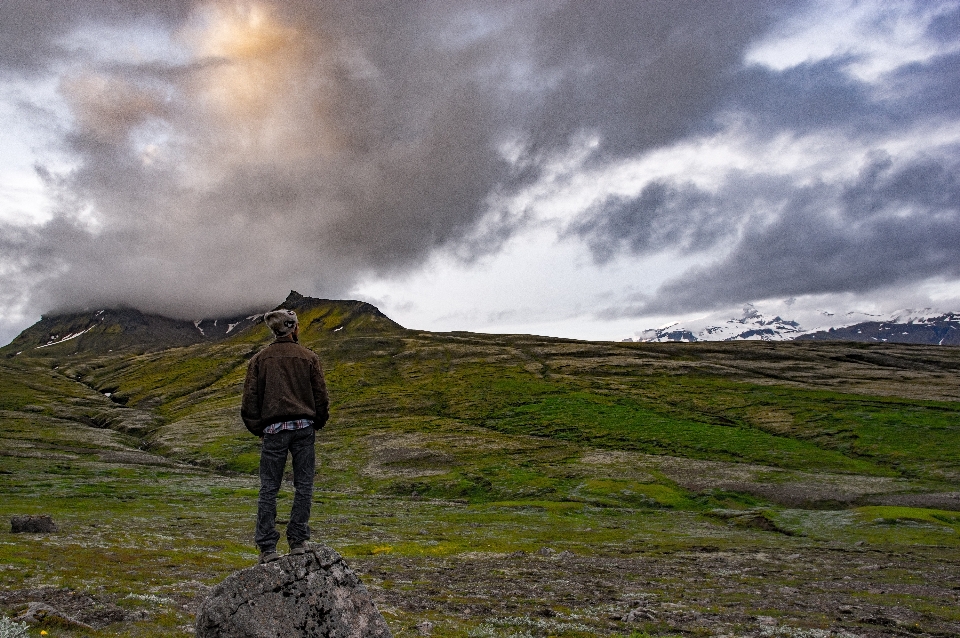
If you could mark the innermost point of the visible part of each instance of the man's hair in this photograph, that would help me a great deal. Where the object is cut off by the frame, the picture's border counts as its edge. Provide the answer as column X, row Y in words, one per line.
column 282, row 322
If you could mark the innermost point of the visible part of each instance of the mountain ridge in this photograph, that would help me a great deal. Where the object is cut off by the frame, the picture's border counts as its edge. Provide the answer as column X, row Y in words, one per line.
column 904, row 326
column 942, row 330
column 109, row 329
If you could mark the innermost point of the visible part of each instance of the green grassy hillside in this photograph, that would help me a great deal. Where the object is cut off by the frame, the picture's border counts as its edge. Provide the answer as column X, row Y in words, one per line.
column 454, row 464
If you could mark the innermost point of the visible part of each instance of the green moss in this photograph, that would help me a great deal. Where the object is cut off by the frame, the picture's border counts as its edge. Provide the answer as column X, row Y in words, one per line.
column 455, row 445
column 613, row 492
column 247, row 463
column 886, row 514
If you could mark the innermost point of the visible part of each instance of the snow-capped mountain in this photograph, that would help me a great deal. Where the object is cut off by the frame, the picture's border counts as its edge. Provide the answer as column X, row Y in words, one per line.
column 751, row 325
column 903, row 326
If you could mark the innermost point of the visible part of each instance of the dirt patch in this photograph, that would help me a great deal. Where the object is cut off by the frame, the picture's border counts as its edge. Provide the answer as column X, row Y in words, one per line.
column 753, row 519
column 404, row 455
column 134, row 458
column 96, row 611
column 47, row 456
column 934, row 500
column 701, row 592
column 772, row 420
column 784, row 487
column 619, row 463
column 776, row 485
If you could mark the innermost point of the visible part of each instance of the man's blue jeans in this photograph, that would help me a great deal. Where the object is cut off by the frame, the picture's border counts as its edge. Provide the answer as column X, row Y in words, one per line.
column 273, row 458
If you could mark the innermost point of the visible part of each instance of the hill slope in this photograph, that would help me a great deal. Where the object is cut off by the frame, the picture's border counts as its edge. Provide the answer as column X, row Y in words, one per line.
column 527, row 485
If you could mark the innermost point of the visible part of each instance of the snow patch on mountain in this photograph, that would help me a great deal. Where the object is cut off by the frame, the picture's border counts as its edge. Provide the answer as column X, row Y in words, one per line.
column 924, row 316
column 55, row 339
column 750, row 325
column 758, row 325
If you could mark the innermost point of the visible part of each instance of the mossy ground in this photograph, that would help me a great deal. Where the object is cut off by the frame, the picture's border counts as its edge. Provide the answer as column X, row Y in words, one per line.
column 504, row 485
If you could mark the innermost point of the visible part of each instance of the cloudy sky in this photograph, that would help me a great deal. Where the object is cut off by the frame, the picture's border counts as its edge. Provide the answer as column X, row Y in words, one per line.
column 586, row 169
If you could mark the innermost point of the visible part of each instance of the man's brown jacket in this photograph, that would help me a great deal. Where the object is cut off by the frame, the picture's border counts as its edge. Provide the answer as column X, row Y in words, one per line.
column 284, row 383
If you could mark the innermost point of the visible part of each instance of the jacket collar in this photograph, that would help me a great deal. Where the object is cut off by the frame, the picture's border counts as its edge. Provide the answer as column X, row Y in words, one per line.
column 284, row 339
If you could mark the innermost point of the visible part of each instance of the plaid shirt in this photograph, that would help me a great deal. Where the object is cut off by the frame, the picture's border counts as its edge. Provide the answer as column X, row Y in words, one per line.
column 299, row 424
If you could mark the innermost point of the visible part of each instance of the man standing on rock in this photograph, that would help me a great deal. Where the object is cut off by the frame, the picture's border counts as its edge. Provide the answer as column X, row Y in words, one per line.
column 284, row 403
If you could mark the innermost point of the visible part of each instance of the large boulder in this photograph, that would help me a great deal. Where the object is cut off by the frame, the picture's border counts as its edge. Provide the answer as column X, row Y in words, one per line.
column 314, row 594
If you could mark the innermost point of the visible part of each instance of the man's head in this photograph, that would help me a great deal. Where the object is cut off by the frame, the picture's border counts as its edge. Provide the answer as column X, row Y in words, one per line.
column 282, row 322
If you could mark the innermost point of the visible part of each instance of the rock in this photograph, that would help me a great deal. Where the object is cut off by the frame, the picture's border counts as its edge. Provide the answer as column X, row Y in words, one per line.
column 425, row 628
column 37, row 613
column 883, row 621
column 33, row 524
column 546, row 551
column 638, row 615
column 315, row 594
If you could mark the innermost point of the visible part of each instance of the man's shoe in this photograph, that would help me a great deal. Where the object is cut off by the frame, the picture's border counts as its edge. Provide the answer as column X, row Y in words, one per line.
column 298, row 548
column 269, row 556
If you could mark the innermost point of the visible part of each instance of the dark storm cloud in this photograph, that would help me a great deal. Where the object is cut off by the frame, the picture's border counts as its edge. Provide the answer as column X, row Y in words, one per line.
column 894, row 224
column 824, row 96
column 305, row 144
column 32, row 33
column 639, row 74
column 898, row 222
column 808, row 97
column 946, row 26
column 683, row 217
column 930, row 89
